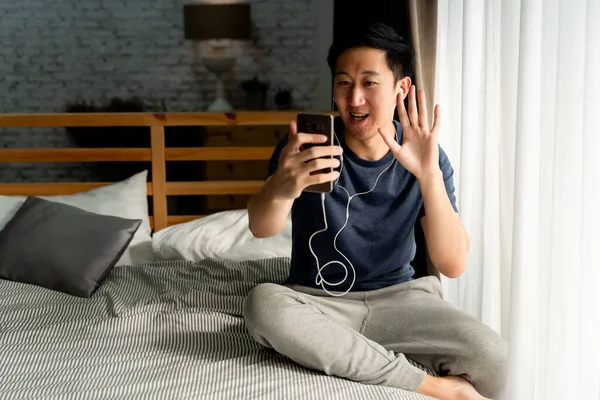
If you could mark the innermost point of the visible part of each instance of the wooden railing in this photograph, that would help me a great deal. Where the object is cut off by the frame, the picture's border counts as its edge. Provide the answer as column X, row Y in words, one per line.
column 157, row 154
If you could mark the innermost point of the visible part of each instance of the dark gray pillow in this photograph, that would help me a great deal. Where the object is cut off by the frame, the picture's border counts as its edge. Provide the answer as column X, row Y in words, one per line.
column 62, row 247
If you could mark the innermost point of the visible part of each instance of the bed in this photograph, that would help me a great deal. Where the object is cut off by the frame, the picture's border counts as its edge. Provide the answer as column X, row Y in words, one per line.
column 165, row 321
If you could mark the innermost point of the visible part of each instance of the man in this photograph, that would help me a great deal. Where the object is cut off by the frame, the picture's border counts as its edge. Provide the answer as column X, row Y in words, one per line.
column 363, row 314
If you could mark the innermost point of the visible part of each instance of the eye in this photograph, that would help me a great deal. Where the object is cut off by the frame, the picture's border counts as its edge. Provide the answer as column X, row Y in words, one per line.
column 370, row 83
column 343, row 82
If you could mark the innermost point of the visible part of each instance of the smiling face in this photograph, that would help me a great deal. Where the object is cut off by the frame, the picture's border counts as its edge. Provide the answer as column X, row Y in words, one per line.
column 365, row 93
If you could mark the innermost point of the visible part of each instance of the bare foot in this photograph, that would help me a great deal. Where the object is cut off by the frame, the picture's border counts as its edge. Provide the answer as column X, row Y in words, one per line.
column 449, row 388
column 462, row 389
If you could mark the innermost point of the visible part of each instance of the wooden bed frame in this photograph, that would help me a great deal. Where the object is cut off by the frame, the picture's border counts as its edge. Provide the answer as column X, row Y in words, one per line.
column 157, row 154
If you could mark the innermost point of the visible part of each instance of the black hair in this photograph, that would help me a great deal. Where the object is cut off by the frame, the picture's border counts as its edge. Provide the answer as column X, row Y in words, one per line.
column 399, row 54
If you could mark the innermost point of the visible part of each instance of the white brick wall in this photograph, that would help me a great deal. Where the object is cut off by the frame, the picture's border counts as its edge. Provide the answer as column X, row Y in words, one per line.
column 54, row 52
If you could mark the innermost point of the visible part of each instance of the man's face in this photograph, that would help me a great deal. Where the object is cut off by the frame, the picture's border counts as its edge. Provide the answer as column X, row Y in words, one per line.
column 364, row 91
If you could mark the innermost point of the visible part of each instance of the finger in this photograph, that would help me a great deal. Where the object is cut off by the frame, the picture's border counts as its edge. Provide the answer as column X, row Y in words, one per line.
column 322, row 178
column 388, row 138
column 293, row 128
column 402, row 115
column 318, row 152
column 437, row 121
column 300, row 139
column 310, row 138
column 423, row 118
column 292, row 145
column 413, row 114
column 321, row 163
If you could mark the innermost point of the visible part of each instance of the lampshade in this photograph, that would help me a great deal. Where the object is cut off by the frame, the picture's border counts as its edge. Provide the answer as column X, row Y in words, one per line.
column 216, row 21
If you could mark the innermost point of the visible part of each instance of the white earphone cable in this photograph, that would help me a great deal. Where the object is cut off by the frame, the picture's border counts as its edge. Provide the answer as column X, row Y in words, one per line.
column 319, row 279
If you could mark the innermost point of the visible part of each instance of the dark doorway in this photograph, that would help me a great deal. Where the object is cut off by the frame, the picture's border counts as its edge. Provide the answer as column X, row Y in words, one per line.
column 352, row 14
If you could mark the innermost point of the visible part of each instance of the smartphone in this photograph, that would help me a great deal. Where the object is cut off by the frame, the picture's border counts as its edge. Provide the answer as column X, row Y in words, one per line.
column 318, row 124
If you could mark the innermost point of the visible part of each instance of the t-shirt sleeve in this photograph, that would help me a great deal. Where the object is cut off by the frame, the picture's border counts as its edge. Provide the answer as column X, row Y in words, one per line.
column 448, row 174
column 274, row 160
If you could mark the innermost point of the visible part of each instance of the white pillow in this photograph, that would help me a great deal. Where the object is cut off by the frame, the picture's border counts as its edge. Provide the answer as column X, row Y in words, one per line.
column 223, row 235
column 125, row 199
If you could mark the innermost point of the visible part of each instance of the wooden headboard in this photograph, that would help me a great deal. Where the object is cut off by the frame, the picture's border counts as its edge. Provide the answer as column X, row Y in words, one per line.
column 157, row 154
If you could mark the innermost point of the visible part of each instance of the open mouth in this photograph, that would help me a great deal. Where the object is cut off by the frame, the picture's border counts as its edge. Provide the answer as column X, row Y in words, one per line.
column 358, row 117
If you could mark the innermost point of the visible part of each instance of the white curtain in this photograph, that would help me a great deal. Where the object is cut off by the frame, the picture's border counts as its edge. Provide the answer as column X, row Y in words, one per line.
column 518, row 83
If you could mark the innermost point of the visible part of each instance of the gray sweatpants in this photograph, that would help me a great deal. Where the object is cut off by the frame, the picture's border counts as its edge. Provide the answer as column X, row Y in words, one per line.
column 366, row 336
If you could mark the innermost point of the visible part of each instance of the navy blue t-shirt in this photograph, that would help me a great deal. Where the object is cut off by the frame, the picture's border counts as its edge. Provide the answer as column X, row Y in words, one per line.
column 379, row 237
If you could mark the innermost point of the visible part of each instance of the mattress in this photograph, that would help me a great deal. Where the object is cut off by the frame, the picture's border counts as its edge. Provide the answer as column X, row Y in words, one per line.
column 165, row 330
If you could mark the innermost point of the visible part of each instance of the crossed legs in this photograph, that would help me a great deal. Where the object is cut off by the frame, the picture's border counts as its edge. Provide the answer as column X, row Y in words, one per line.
column 366, row 337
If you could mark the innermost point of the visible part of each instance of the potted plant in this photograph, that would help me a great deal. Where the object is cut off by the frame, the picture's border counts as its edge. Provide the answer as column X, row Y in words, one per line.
column 283, row 98
column 256, row 93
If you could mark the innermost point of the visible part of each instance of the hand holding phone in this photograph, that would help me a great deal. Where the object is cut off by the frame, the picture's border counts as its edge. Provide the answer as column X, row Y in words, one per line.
column 308, row 160
column 318, row 124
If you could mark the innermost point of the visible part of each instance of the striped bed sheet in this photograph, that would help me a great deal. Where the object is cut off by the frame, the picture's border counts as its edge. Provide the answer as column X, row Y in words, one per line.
column 165, row 330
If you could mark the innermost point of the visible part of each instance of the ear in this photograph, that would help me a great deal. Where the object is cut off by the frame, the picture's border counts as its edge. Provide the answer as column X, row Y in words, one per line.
column 403, row 86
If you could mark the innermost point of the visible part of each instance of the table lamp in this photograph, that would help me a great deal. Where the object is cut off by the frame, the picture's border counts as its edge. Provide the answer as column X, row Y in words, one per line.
column 218, row 24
